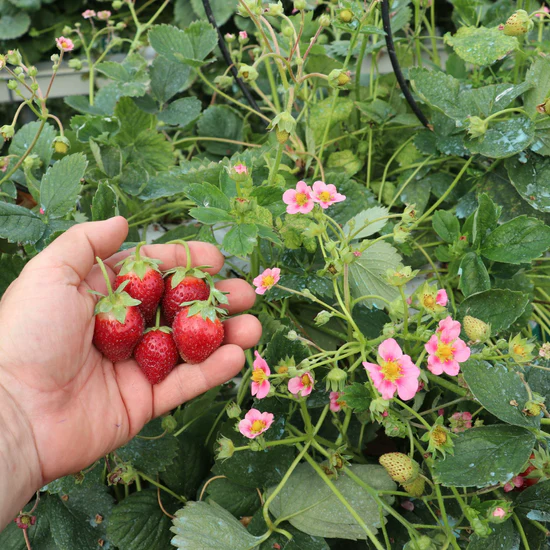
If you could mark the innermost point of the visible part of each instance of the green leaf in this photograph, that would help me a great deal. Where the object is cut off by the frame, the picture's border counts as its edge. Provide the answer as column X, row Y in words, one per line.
column 209, row 527
column 504, row 139
column 207, row 195
column 474, row 277
column 358, row 197
column 81, row 104
column 221, row 9
column 239, row 501
column 502, row 537
column 281, row 349
column 319, row 286
column 134, row 179
column 538, row 76
column 87, row 127
column 138, row 523
column 25, row 136
column 481, row 46
column 60, row 185
column 446, row 225
column 190, row 46
column 534, row 502
column 168, row 78
column 17, row 224
column 133, row 121
column 14, row 24
column 54, row 228
column 358, row 397
column 499, row 307
column 241, row 239
column 311, row 506
column 495, row 387
column 150, row 456
column 152, row 151
column 366, row 218
column 531, row 178
column 485, row 219
column 485, row 456
column 181, row 112
column 370, row 321
column 210, row 215
column 220, row 121
column 104, row 203
column 266, row 233
column 518, row 241
column 108, row 158
column 368, row 274
column 129, row 78
column 322, row 114
column 10, row 268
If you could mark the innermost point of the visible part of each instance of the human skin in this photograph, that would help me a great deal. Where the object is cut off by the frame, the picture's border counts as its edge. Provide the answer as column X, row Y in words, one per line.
column 63, row 405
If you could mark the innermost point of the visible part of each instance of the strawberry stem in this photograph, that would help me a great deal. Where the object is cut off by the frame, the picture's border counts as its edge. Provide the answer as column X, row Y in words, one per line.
column 105, row 275
column 136, row 253
column 187, row 252
column 157, row 320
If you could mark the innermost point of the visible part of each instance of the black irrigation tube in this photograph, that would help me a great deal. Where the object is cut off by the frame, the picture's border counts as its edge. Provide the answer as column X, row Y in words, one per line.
column 396, row 67
column 227, row 56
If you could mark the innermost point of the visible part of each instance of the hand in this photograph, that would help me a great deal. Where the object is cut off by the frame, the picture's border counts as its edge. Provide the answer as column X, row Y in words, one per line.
column 75, row 404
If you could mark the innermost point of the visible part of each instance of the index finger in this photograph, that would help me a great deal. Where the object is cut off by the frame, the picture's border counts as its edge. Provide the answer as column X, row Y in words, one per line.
column 175, row 255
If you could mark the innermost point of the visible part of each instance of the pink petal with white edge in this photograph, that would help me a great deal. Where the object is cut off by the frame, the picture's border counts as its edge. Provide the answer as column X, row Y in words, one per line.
column 389, row 350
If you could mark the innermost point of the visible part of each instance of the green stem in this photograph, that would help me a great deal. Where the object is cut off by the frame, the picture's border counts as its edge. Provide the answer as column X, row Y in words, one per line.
column 105, row 275
column 275, row 168
column 446, row 384
column 160, row 486
column 521, row 532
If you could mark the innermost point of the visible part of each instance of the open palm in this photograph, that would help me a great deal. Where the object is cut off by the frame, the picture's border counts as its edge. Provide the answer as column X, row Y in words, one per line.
column 77, row 404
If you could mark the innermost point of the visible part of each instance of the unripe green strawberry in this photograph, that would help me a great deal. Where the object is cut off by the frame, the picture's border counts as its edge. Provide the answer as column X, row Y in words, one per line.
column 282, row 136
column 476, row 329
column 416, row 488
column 400, row 467
column 518, row 24
column 533, row 408
column 345, row 16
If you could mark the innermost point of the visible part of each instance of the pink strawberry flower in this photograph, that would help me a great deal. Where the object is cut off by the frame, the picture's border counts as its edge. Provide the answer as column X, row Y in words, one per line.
column 103, row 15
column 335, row 404
column 240, row 169
column 266, row 280
column 441, row 298
column 260, row 377
column 395, row 372
column 88, row 14
column 301, row 385
column 499, row 512
column 64, row 44
column 446, row 350
column 299, row 200
column 326, row 195
column 243, row 35
column 255, row 423
column 230, row 36
column 461, row 421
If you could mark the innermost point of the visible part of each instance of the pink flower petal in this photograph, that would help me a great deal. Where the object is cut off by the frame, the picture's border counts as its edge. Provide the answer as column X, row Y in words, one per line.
column 407, row 387
column 452, row 368
column 389, row 350
column 295, row 385
column 462, row 351
column 387, row 389
column 435, row 366
column 432, row 344
column 289, row 196
column 441, row 297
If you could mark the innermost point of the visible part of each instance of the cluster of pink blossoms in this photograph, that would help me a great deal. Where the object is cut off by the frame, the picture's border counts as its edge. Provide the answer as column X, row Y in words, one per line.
column 302, row 199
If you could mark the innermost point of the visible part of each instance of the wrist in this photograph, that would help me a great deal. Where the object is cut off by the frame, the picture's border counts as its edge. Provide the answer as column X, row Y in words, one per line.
column 20, row 472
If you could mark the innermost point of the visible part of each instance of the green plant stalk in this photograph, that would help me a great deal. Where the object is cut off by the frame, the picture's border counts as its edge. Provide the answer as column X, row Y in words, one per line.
column 521, row 532
column 160, row 486
column 275, row 168
column 272, row 85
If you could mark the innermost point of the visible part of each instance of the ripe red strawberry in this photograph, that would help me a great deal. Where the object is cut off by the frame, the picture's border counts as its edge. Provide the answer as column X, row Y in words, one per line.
column 119, row 323
column 157, row 354
column 198, row 331
column 145, row 282
column 181, row 286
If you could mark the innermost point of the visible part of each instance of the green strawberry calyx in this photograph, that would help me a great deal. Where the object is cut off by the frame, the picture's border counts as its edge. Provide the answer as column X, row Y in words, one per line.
column 138, row 264
column 116, row 302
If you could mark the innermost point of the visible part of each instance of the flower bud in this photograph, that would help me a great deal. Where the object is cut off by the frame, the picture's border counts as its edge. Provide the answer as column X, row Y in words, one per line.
column 120, row 26
column 324, row 20
column 61, row 145
column 66, row 30
column 230, row 37
column 117, row 4
column 254, row 7
column 346, row 16
column 2, row 61
column 7, row 131
column 243, row 37
column 242, row 206
column 544, row 351
column 33, row 71
column 477, row 127
column 499, row 512
column 401, row 276
column 14, row 57
column 288, row 31
column 18, row 71
column 420, row 543
column 225, row 449
column 284, row 125
column 248, row 73
column 300, row 5
column 292, row 335
column 169, row 424
column 275, row 10
column 238, row 172
column 338, row 78
column 388, row 331
column 322, row 318
column 233, row 410
column 336, row 379
column 13, row 84
column 75, row 64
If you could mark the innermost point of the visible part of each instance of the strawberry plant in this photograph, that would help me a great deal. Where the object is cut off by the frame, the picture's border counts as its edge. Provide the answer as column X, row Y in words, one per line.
column 379, row 173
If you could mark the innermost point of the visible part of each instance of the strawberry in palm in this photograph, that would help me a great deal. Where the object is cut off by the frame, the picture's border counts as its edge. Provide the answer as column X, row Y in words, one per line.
column 145, row 282
column 156, row 353
column 183, row 285
column 198, row 330
column 119, row 323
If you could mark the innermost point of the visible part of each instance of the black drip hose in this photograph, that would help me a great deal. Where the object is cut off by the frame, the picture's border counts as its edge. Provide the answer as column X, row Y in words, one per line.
column 227, row 56
column 396, row 67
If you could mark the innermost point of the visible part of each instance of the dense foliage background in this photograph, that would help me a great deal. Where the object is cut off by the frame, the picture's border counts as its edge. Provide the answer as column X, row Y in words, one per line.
column 463, row 204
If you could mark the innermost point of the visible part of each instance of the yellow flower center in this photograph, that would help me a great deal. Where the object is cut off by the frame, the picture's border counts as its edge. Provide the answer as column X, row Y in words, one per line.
column 324, row 196
column 519, row 350
column 282, row 369
column 444, row 352
column 391, row 370
column 257, row 426
column 428, row 301
column 439, row 436
column 268, row 280
column 258, row 376
column 306, row 380
column 301, row 198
